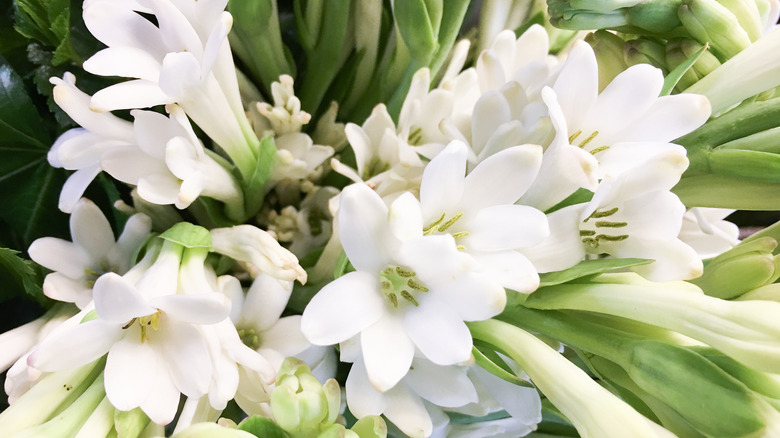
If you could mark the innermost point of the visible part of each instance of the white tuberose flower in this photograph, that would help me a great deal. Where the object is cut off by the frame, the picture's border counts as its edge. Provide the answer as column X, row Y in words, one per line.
column 151, row 334
column 409, row 291
column 94, row 251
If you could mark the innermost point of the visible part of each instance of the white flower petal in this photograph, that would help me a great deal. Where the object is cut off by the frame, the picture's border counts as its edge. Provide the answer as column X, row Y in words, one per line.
column 63, row 288
column 623, row 101
column 61, row 256
column 490, row 112
column 363, row 228
column 362, row 398
column 285, row 336
column 508, row 226
column 577, row 83
column 442, row 183
column 406, row 410
column 128, row 62
column 130, row 367
column 75, row 346
column 128, row 164
column 522, row 403
column 448, row 386
column 75, row 186
column 405, row 217
column 116, row 24
column 502, row 178
column 668, row 118
column 417, row 254
column 342, row 309
column 563, row 248
column 90, row 229
column 265, row 301
column 510, row 269
column 180, row 73
column 162, row 404
column 186, row 356
column 201, row 308
column 160, row 190
column 118, row 301
column 674, row 260
column 439, row 332
column 137, row 93
column 387, row 352
column 473, row 296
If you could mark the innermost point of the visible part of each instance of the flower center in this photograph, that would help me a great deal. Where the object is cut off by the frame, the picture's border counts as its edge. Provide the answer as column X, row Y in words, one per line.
column 587, row 140
column 441, row 225
column 593, row 234
column 91, row 276
column 145, row 322
column 250, row 338
column 400, row 284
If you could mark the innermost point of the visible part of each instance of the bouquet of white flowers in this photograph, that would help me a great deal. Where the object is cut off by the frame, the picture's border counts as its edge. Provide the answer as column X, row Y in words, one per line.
column 406, row 218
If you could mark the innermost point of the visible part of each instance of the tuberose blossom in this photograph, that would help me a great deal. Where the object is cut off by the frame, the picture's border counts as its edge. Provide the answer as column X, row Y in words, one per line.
column 409, row 291
column 151, row 334
column 93, row 252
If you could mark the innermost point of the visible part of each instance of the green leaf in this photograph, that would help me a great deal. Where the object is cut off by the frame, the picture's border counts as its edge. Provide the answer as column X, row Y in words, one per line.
column 130, row 424
column 19, row 276
column 188, row 235
column 674, row 76
column 262, row 427
column 19, row 120
column 588, row 267
column 497, row 370
column 29, row 192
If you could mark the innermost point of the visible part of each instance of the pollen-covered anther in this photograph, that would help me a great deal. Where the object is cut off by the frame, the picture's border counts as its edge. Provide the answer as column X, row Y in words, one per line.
column 398, row 281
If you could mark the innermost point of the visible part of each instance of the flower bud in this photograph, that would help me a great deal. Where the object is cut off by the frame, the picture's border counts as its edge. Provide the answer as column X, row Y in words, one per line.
column 743, row 268
column 608, row 48
column 710, row 22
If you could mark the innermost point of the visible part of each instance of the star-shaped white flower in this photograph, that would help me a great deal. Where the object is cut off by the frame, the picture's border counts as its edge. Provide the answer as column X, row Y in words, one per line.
column 409, row 291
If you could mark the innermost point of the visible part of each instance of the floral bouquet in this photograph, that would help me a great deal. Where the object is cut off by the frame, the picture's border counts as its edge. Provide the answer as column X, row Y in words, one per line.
column 303, row 219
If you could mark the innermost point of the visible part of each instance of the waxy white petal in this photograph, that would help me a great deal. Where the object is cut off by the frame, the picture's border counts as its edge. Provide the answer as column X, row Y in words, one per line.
column 502, row 178
column 201, row 308
column 439, row 332
column 75, row 186
column 90, row 229
column 447, row 386
column 60, row 255
column 117, row 24
column 285, row 336
column 364, row 228
column 442, row 184
column 510, row 269
column 128, row 62
column 75, row 346
column 137, row 93
column 362, row 398
column 265, row 301
column 674, row 260
column 343, row 308
column 387, row 351
column 506, row 226
column 129, row 369
column 474, row 296
column 177, row 341
column 407, row 411
column 577, row 83
column 60, row 287
column 405, row 217
column 118, row 301
column 668, row 118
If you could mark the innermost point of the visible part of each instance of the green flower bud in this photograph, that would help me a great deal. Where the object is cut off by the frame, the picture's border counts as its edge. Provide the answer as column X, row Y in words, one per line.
column 743, row 268
column 710, row 22
column 674, row 57
column 639, row 17
column 747, row 15
column 706, row 63
column 300, row 404
column 646, row 51
column 608, row 48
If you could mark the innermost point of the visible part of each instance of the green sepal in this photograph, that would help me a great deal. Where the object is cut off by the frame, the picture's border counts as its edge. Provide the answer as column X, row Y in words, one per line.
column 497, row 370
column 262, row 427
column 586, row 268
column 674, row 76
column 188, row 235
column 724, row 191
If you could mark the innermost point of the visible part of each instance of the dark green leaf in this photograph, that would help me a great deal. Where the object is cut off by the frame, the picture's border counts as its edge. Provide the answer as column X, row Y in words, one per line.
column 19, row 276
column 19, row 120
column 262, row 427
column 588, row 267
